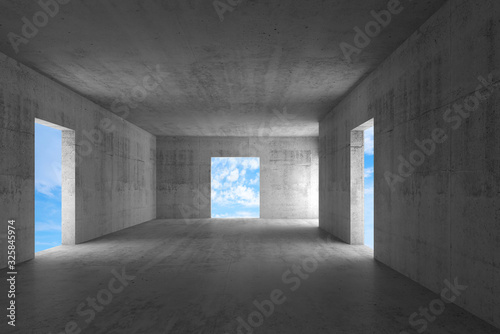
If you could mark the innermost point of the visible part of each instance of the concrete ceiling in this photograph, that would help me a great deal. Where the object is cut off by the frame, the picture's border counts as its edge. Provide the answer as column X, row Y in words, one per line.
column 268, row 68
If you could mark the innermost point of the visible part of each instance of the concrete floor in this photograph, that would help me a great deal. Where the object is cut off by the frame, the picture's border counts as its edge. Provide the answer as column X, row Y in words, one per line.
column 199, row 276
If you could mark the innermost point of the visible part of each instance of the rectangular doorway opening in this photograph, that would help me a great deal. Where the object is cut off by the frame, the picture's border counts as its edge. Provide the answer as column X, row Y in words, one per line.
column 368, row 187
column 54, row 185
column 235, row 188
column 362, row 185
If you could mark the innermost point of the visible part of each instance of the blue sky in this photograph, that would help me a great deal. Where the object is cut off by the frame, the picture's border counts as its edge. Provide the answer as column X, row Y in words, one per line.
column 47, row 187
column 235, row 188
column 369, row 187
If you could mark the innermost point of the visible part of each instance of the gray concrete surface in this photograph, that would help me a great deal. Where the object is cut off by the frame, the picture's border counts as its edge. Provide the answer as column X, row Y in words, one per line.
column 288, row 174
column 269, row 69
column 442, row 220
column 218, row 78
column 115, row 161
column 199, row 276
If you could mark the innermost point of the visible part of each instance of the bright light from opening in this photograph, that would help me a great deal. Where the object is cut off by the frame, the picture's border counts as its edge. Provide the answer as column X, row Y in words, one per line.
column 368, row 171
column 235, row 187
column 47, row 187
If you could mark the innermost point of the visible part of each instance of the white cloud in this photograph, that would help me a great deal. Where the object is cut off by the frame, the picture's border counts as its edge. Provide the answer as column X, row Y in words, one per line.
column 229, row 185
column 246, row 194
column 369, row 141
column 242, row 195
column 234, row 175
column 369, row 191
column 216, row 184
column 47, row 226
column 47, row 160
column 225, row 215
column 369, row 172
column 251, row 163
column 245, row 214
column 220, row 174
column 47, row 177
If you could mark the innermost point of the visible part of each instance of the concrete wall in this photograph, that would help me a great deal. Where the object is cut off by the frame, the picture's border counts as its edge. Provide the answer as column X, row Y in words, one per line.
column 441, row 221
column 288, row 174
column 114, row 175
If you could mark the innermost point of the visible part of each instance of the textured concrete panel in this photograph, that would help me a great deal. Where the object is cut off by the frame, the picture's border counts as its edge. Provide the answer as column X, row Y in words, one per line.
column 213, row 78
column 288, row 174
column 357, row 188
column 68, row 187
column 441, row 221
column 113, row 180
